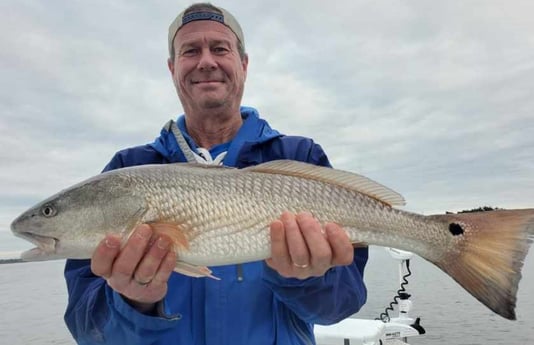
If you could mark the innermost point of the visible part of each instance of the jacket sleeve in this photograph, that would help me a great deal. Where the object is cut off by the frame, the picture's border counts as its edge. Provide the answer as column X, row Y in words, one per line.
column 324, row 300
column 336, row 295
column 96, row 314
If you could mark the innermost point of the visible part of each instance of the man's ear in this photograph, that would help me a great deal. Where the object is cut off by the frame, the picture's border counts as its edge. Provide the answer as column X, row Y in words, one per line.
column 170, row 64
column 244, row 64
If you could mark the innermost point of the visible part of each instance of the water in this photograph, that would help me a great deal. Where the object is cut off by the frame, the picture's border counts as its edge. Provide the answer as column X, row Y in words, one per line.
column 33, row 299
column 449, row 314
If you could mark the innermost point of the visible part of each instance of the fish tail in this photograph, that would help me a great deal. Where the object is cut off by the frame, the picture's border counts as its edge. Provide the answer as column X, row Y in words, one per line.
column 489, row 258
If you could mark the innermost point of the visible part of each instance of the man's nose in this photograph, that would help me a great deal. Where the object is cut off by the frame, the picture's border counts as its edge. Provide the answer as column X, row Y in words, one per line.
column 207, row 61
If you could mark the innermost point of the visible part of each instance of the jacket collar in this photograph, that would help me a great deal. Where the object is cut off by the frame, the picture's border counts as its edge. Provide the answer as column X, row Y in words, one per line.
column 254, row 130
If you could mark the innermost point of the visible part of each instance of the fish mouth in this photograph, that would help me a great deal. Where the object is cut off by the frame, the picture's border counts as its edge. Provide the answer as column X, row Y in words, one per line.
column 46, row 245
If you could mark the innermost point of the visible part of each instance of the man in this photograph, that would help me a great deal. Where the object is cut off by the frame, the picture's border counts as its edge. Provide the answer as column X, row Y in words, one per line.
column 129, row 294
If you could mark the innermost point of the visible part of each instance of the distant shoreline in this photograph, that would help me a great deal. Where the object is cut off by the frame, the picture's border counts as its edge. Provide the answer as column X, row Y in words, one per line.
column 11, row 261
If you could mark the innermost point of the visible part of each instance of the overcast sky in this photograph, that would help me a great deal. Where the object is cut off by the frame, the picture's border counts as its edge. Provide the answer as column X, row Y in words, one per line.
column 434, row 99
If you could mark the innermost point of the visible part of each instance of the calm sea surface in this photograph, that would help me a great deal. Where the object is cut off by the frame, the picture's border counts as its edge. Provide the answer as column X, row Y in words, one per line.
column 33, row 298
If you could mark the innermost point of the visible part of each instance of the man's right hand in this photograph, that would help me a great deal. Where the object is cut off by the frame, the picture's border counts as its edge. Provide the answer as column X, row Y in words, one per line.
column 140, row 270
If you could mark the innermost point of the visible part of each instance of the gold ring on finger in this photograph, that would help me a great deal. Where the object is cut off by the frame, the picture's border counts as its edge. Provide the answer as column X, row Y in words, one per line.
column 142, row 283
column 300, row 266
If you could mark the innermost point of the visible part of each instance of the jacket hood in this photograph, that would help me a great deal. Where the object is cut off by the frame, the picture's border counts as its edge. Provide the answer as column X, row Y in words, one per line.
column 254, row 130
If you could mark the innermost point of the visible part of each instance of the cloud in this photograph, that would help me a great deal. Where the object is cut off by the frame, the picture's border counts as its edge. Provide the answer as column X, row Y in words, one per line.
column 431, row 99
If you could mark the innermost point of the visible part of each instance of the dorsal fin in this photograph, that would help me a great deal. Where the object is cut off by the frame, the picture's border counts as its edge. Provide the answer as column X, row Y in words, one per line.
column 341, row 178
column 202, row 165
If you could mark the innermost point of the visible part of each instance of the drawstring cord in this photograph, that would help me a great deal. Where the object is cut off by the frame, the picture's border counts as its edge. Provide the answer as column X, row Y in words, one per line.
column 201, row 156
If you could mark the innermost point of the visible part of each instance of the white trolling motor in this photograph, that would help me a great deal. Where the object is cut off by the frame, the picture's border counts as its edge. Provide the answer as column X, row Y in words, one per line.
column 383, row 330
column 402, row 326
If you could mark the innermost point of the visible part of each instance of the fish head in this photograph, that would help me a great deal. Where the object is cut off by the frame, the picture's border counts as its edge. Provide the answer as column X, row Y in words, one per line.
column 71, row 223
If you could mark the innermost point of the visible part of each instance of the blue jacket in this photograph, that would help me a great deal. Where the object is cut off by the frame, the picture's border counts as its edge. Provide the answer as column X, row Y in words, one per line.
column 251, row 304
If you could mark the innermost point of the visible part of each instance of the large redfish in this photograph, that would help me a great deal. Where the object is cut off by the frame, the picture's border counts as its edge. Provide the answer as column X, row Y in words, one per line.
column 218, row 216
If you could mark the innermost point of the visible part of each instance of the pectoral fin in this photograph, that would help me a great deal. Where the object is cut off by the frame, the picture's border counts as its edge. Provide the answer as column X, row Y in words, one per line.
column 180, row 243
column 174, row 232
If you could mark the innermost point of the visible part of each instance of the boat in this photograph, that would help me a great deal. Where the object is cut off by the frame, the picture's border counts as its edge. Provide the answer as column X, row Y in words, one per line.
column 383, row 330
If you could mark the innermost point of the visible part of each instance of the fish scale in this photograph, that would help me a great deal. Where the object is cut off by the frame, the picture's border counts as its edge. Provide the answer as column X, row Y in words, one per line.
column 219, row 205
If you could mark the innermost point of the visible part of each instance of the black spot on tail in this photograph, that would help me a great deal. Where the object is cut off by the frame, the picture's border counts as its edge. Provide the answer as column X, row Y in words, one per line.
column 456, row 229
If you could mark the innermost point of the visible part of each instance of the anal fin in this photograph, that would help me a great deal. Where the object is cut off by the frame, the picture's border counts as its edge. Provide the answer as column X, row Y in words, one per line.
column 193, row 271
column 180, row 243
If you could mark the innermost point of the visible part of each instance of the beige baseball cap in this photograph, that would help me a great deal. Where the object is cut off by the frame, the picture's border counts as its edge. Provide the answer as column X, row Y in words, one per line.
column 224, row 17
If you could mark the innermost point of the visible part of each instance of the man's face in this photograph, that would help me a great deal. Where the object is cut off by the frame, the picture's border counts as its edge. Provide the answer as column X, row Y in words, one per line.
column 207, row 70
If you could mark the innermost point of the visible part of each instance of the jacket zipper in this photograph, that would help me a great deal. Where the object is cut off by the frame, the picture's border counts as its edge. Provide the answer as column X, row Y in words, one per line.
column 239, row 272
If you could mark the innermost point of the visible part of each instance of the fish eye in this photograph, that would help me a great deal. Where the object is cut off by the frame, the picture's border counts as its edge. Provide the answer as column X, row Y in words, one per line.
column 48, row 211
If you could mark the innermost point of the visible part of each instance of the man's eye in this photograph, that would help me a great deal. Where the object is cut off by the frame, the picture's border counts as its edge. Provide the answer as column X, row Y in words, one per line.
column 189, row 52
column 220, row 50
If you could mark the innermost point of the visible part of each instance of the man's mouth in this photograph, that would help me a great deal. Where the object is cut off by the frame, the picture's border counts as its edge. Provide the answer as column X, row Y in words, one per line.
column 206, row 81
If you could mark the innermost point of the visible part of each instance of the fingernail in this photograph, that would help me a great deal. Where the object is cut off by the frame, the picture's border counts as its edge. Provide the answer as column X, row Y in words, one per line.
column 144, row 232
column 163, row 243
column 287, row 215
column 305, row 214
column 111, row 244
column 330, row 229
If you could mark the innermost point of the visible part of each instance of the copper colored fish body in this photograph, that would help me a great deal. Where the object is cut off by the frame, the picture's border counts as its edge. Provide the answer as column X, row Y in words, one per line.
column 218, row 216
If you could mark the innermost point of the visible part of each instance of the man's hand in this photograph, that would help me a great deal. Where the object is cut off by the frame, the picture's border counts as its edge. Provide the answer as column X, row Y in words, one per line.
column 301, row 248
column 140, row 270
